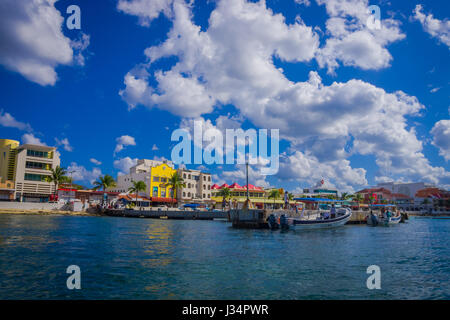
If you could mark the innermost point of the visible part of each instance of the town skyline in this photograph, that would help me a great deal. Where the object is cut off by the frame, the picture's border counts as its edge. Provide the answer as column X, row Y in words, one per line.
column 355, row 106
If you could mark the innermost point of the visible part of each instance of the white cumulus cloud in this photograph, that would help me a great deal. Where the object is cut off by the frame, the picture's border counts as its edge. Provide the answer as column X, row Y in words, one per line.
column 7, row 120
column 441, row 138
column 439, row 29
column 123, row 141
column 32, row 41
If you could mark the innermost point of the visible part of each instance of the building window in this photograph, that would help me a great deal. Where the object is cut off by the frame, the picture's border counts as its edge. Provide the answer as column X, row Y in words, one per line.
column 163, row 192
column 184, row 194
column 196, row 178
column 189, row 176
column 163, row 179
column 39, row 154
column 204, row 196
column 155, row 191
column 209, row 196
column 209, row 187
column 204, row 178
column 35, row 177
column 204, row 187
column 155, row 179
column 184, row 175
column 37, row 165
column 209, row 178
column 189, row 194
column 189, row 185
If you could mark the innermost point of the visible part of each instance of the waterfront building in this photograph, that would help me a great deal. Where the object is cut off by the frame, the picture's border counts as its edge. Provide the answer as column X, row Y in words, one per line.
column 28, row 167
column 409, row 189
column 431, row 200
column 155, row 175
column 198, row 187
column 8, row 149
column 382, row 195
column 257, row 195
column 6, row 190
column 321, row 189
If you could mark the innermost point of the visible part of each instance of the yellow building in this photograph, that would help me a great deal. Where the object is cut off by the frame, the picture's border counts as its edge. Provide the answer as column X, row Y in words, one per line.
column 160, row 175
column 8, row 151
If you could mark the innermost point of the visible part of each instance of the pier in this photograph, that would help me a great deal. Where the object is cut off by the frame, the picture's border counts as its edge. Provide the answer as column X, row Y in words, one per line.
column 257, row 219
column 167, row 214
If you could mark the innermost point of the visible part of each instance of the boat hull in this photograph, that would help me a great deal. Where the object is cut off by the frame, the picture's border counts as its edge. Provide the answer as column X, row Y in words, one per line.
column 299, row 224
column 376, row 221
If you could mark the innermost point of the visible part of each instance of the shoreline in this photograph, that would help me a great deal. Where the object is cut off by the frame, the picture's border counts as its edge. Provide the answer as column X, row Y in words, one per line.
column 48, row 212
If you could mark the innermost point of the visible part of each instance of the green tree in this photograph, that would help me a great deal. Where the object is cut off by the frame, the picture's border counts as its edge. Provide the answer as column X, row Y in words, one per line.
column 344, row 196
column 104, row 182
column 176, row 181
column 225, row 193
column 358, row 197
column 274, row 194
column 138, row 186
column 57, row 176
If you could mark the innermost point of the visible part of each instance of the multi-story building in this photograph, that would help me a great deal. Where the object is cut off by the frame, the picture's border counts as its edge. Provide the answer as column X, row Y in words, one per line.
column 409, row 189
column 145, row 165
column 28, row 167
column 198, row 187
column 155, row 174
column 7, row 168
column 321, row 189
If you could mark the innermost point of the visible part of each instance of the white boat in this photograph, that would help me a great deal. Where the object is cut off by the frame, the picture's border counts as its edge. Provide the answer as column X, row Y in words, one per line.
column 375, row 220
column 342, row 217
column 380, row 219
column 321, row 218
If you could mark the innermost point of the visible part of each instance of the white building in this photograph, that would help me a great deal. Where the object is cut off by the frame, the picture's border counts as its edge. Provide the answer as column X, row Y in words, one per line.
column 142, row 171
column 198, row 186
column 32, row 167
column 145, row 165
column 409, row 189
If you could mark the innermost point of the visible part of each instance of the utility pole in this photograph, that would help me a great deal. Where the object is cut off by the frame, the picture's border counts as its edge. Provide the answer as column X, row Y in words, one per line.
column 246, row 166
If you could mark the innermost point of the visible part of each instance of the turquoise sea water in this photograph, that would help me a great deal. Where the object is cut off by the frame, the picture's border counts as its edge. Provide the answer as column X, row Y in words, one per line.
column 124, row 258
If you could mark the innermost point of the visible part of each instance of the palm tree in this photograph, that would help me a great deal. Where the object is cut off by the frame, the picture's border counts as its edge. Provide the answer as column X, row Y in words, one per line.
column 138, row 186
column 358, row 197
column 225, row 193
column 344, row 196
column 176, row 181
column 290, row 196
column 104, row 182
column 275, row 194
column 57, row 176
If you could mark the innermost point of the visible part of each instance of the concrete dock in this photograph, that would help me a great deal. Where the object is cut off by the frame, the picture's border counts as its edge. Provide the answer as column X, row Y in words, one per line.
column 167, row 214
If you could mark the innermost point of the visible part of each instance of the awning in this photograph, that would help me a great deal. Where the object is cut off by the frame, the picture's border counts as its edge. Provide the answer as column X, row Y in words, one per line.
column 168, row 200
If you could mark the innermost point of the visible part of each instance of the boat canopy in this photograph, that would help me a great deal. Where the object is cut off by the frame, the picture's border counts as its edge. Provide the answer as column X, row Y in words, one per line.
column 316, row 200
column 191, row 205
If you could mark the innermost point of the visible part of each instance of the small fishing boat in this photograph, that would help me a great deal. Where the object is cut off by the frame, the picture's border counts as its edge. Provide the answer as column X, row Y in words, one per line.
column 376, row 218
column 324, row 217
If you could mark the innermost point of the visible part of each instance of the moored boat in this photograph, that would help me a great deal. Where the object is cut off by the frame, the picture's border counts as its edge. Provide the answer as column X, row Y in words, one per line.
column 383, row 218
column 334, row 217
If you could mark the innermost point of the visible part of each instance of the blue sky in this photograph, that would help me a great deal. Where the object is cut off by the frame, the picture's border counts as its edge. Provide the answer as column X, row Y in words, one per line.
column 354, row 105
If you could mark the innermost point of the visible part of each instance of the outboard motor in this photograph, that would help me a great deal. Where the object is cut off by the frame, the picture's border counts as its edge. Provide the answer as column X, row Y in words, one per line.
column 283, row 222
column 273, row 224
column 374, row 219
